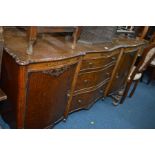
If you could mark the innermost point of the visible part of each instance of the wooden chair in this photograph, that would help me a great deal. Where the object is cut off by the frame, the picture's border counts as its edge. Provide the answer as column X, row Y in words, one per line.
column 151, row 71
column 34, row 30
column 152, row 39
column 147, row 56
column 142, row 32
column 2, row 94
column 151, row 68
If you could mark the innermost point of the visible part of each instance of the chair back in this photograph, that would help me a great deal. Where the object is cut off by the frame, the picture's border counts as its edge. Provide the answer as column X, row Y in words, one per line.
column 141, row 31
column 32, row 32
column 147, row 56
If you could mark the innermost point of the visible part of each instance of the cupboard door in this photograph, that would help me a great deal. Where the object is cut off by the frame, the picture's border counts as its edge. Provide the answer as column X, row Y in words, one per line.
column 47, row 96
column 123, row 70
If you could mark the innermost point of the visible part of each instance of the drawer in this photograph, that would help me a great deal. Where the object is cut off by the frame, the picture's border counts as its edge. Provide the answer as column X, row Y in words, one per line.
column 52, row 64
column 86, row 99
column 93, row 78
column 98, row 62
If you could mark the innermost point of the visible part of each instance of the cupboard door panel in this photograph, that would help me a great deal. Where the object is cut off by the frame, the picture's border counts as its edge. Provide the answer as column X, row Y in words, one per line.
column 47, row 96
column 123, row 70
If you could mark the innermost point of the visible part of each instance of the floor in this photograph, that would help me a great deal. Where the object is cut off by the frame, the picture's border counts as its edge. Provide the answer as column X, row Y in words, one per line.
column 137, row 112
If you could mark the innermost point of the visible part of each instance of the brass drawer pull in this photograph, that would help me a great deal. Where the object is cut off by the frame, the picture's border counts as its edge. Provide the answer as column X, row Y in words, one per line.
column 113, row 58
column 79, row 101
column 117, row 76
column 85, row 81
column 90, row 63
column 108, row 74
column 68, row 95
column 106, row 65
column 101, row 91
column 106, row 48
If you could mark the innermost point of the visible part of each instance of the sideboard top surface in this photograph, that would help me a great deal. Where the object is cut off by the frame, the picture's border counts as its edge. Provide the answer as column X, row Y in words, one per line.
column 49, row 48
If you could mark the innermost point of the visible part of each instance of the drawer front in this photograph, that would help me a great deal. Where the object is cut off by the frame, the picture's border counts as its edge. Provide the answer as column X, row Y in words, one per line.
column 86, row 99
column 52, row 64
column 93, row 78
column 99, row 62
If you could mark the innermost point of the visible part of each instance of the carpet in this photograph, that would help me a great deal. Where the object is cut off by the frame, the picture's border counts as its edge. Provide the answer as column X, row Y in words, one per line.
column 137, row 112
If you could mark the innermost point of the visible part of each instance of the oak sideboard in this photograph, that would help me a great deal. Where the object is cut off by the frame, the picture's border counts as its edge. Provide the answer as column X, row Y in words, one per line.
column 44, row 88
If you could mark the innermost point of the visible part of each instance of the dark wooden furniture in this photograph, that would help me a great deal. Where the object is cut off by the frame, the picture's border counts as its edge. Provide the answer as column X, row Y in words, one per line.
column 152, row 77
column 43, row 88
column 93, row 77
column 2, row 94
column 127, row 59
column 33, row 31
column 151, row 67
column 136, row 72
column 143, row 32
column 1, row 46
column 151, row 72
column 152, row 39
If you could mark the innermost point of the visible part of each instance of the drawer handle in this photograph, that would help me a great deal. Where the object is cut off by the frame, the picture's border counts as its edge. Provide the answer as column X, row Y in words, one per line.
column 106, row 65
column 85, row 81
column 106, row 48
column 79, row 101
column 90, row 63
column 117, row 76
column 101, row 91
column 113, row 58
column 68, row 95
column 108, row 74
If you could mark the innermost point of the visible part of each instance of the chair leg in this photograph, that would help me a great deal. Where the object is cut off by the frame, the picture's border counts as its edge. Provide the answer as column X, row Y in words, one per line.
column 32, row 37
column 151, row 76
column 141, row 79
column 125, row 92
column 149, row 80
column 134, row 88
column 76, row 35
column 30, row 47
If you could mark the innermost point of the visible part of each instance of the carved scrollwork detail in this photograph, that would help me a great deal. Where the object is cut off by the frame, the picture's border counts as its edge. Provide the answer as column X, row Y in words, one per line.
column 56, row 72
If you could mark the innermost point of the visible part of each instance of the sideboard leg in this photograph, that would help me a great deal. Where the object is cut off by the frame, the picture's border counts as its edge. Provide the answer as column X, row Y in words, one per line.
column 103, row 99
column 64, row 120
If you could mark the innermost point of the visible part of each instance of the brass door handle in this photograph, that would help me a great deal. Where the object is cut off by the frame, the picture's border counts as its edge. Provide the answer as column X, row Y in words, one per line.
column 117, row 76
column 79, row 101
